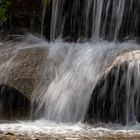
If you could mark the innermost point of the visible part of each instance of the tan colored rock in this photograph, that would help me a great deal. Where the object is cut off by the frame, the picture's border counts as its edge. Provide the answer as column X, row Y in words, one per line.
column 19, row 68
column 126, row 57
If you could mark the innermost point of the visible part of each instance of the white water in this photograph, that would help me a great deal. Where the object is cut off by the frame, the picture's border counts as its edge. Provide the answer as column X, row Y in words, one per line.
column 100, row 18
column 68, row 94
column 74, row 70
column 78, row 131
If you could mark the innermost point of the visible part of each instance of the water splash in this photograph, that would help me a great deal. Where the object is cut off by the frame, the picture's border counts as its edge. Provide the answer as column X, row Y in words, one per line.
column 68, row 94
column 68, row 74
column 70, row 71
column 47, row 130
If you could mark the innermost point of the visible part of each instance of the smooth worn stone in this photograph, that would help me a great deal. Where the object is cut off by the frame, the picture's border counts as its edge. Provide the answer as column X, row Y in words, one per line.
column 115, row 97
column 19, row 69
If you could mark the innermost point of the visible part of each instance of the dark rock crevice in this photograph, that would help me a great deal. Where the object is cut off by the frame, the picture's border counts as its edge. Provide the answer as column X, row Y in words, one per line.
column 13, row 104
column 116, row 97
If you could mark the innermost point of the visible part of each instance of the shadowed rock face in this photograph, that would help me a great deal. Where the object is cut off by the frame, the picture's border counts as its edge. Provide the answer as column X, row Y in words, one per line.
column 116, row 97
column 13, row 104
column 20, row 70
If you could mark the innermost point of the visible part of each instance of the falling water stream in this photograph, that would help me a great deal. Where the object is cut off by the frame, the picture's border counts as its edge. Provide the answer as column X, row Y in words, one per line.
column 64, row 93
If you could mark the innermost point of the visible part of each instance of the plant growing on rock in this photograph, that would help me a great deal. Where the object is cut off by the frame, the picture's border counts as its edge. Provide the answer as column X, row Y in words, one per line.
column 4, row 6
column 45, row 2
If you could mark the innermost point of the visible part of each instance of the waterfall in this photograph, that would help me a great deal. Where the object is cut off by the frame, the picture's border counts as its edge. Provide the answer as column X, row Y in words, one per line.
column 56, row 24
column 69, row 73
column 67, row 97
column 43, row 17
column 99, row 18
column 76, row 70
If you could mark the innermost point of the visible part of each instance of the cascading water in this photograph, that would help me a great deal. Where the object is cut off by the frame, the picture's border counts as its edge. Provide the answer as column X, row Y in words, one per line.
column 70, row 72
column 94, row 79
column 116, row 95
column 94, row 18
column 68, row 95
column 76, row 70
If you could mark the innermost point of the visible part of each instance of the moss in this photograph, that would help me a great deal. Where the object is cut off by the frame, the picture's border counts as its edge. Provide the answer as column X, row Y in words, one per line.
column 4, row 6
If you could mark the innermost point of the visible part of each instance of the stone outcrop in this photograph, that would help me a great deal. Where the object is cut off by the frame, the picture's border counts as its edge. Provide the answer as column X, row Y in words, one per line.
column 13, row 104
column 116, row 96
column 125, row 57
column 20, row 69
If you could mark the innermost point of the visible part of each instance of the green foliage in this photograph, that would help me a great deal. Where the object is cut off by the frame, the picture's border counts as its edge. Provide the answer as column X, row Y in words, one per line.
column 4, row 6
column 45, row 2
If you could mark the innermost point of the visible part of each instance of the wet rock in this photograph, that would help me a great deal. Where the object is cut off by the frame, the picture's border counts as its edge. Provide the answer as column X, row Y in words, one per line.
column 116, row 96
column 13, row 104
column 19, row 72
column 28, row 69
column 19, row 68
column 8, row 137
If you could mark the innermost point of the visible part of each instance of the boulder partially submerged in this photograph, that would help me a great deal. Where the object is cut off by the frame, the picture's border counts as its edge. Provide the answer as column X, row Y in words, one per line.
column 116, row 96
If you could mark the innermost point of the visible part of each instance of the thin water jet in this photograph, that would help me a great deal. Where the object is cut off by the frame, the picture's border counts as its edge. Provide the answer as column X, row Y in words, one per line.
column 94, row 19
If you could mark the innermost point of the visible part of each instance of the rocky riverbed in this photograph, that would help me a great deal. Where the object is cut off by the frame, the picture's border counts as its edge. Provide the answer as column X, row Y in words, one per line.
column 42, row 130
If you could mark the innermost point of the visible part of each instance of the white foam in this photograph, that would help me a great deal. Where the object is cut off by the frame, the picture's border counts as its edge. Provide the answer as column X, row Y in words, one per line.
column 51, row 128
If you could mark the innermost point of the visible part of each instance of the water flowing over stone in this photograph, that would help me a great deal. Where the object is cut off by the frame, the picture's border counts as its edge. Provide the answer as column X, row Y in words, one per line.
column 94, row 18
column 77, row 67
column 67, row 97
column 20, row 61
column 116, row 95
column 64, row 77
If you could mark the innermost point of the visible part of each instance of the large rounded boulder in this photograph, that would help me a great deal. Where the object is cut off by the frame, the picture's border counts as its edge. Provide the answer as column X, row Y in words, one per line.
column 116, row 97
column 19, row 73
column 19, row 68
